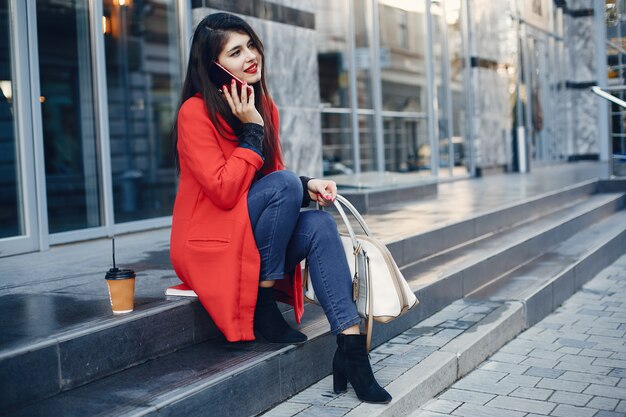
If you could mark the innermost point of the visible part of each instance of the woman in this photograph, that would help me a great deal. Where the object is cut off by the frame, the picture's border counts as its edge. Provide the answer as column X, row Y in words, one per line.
column 238, row 235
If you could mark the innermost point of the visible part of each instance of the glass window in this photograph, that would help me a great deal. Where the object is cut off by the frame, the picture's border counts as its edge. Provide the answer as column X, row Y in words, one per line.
column 453, row 18
column 332, row 48
column 332, row 17
column 403, row 28
column 406, row 144
column 333, row 55
column 447, row 37
column 363, row 52
column 616, row 35
column 337, row 145
column 10, row 212
column 363, row 56
column 403, row 77
column 144, row 81
column 67, row 110
column 441, row 110
column 367, row 140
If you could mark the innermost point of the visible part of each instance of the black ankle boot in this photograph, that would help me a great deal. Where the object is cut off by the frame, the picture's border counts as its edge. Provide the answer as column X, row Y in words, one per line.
column 269, row 322
column 351, row 363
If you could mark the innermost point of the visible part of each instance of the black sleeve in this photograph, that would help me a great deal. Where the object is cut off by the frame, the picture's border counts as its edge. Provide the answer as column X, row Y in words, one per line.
column 251, row 137
column 306, row 198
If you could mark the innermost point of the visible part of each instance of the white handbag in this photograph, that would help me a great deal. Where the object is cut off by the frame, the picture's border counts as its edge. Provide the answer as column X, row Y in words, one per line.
column 380, row 291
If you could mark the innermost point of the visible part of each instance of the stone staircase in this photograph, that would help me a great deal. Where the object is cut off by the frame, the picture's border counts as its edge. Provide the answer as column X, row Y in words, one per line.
column 167, row 358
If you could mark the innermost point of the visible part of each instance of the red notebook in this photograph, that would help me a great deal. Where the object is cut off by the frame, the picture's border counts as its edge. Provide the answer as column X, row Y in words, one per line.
column 181, row 290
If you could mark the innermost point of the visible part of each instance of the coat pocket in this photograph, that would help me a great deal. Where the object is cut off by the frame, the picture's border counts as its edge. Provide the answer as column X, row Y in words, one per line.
column 211, row 235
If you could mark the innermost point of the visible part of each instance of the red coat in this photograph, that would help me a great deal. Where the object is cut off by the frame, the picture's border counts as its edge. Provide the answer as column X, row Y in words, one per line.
column 212, row 246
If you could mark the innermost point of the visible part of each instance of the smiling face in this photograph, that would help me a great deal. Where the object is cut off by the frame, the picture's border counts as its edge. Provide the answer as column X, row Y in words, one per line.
column 241, row 57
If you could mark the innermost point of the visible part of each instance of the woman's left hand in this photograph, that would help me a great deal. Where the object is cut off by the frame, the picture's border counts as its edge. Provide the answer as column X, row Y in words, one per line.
column 322, row 191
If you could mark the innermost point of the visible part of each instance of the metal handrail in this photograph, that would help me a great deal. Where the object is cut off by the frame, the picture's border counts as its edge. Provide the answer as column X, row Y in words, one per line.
column 615, row 88
column 597, row 90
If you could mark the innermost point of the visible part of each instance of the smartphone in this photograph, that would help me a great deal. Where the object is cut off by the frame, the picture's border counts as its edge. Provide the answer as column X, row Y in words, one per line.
column 221, row 76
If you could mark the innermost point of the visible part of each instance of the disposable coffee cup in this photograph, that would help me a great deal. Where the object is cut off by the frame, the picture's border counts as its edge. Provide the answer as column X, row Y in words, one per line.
column 121, row 284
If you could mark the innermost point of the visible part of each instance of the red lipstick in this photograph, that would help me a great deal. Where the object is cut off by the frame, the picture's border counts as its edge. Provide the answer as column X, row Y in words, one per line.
column 252, row 69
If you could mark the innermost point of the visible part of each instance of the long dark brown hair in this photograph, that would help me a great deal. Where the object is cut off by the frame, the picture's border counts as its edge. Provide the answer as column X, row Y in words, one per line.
column 209, row 38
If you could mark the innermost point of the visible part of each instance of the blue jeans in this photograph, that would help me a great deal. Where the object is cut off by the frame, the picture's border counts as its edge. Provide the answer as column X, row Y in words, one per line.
column 285, row 236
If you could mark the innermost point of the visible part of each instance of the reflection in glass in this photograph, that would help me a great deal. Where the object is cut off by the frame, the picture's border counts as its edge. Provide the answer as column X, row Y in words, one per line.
column 143, row 80
column 546, row 138
column 493, row 82
column 443, row 130
column 406, row 143
column 535, row 100
column 403, row 77
column 615, row 33
column 332, row 45
column 363, row 52
column 10, row 201
column 453, row 19
column 402, row 59
column 367, row 140
column 337, row 143
column 67, row 110
column 559, row 85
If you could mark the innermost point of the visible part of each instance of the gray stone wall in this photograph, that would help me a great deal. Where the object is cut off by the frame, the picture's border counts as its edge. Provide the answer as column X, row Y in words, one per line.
column 581, row 51
column 292, row 76
column 494, row 44
column 494, row 41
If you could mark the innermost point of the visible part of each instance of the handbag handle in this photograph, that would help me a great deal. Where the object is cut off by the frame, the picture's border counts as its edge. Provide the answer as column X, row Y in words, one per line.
column 346, row 222
column 341, row 200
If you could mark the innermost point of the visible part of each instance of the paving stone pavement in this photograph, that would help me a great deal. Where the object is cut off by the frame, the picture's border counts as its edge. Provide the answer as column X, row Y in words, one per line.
column 389, row 360
column 571, row 364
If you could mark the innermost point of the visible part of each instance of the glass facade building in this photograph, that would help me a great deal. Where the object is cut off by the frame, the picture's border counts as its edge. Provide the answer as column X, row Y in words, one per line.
column 420, row 88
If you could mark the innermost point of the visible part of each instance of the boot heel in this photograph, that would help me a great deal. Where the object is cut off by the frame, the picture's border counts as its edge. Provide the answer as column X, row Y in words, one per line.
column 351, row 358
column 340, row 383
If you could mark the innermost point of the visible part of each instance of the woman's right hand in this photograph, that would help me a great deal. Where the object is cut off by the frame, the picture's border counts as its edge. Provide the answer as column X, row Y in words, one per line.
column 242, row 107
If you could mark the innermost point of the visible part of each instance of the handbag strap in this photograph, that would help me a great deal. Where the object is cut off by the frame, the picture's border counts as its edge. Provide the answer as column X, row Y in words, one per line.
column 344, row 201
column 369, row 326
column 355, row 244
column 342, row 213
column 339, row 201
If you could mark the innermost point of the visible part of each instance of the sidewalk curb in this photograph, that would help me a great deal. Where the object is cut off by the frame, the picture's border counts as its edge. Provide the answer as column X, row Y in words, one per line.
column 464, row 353
column 415, row 387
column 487, row 336
column 542, row 301
column 445, row 366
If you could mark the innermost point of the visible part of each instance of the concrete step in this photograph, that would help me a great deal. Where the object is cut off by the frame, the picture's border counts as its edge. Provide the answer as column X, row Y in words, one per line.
column 568, row 265
column 220, row 373
column 73, row 355
column 43, row 366
column 428, row 358
column 462, row 270
column 456, row 257
column 212, row 375
column 427, row 241
column 366, row 199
